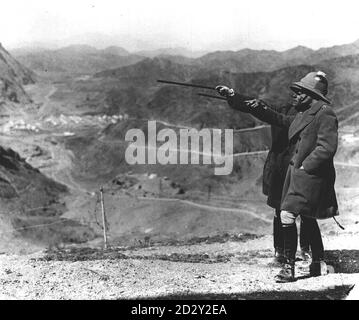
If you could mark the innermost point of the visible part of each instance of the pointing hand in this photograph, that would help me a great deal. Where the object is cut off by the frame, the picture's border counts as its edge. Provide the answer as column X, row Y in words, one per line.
column 255, row 103
column 225, row 91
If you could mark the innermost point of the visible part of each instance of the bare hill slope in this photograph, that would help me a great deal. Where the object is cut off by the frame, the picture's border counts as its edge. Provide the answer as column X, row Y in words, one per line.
column 12, row 78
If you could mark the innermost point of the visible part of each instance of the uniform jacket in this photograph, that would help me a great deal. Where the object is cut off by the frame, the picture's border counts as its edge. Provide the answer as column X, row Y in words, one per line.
column 313, row 140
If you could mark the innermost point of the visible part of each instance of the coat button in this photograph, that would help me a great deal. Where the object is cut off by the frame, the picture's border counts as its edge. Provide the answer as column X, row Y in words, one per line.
column 296, row 151
column 291, row 162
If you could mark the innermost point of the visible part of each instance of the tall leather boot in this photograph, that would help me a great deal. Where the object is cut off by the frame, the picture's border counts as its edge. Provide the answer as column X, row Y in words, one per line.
column 290, row 236
column 278, row 241
column 318, row 267
column 316, row 242
column 304, row 238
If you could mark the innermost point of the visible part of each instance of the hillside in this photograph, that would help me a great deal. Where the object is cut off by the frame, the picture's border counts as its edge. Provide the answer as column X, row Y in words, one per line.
column 115, row 50
column 29, row 199
column 13, row 76
column 344, row 72
column 134, row 90
column 137, row 91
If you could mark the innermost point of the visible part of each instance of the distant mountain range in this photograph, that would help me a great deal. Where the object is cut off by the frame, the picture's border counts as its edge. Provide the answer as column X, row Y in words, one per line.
column 137, row 93
column 248, row 60
column 75, row 59
column 88, row 59
column 124, row 82
column 179, row 51
column 131, row 85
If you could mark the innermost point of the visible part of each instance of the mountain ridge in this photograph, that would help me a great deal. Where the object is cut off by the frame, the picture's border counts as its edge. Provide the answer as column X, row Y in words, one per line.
column 80, row 59
column 244, row 60
column 12, row 78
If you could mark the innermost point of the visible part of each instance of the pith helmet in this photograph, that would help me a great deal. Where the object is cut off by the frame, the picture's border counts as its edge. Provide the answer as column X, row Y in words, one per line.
column 314, row 83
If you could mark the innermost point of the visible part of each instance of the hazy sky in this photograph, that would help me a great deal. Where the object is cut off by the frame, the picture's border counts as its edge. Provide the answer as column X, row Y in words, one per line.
column 196, row 24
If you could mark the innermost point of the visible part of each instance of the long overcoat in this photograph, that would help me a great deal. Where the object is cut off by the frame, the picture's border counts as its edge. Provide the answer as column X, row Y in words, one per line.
column 276, row 164
column 313, row 141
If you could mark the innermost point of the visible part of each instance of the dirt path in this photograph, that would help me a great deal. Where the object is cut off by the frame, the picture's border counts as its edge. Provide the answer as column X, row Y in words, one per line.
column 211, row 208
column 240, row 154
column 200, row 153
column 355, row 115
column 186, row 127
column 61, row 172
column 47, row 101
column 345, row 164
column 347, row 107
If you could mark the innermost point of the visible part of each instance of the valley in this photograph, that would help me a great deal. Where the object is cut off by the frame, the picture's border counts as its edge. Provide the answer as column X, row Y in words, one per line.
column 71, row 148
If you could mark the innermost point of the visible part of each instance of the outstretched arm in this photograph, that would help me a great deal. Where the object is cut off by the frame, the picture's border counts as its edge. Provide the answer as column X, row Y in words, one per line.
column 255, row 107
column 263, row 112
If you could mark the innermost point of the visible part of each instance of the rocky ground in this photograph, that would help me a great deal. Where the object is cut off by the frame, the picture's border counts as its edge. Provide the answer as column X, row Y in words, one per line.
column 228, row 268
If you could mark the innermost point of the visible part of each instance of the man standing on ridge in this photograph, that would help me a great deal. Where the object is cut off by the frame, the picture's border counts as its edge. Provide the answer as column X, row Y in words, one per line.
column 309, row 182
column 274, row 172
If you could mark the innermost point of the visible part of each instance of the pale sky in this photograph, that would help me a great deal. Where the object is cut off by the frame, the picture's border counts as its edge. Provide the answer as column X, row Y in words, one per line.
column 195, row 24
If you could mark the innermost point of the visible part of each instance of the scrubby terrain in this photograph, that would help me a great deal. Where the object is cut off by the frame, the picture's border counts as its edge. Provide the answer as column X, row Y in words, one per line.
column 221, row 268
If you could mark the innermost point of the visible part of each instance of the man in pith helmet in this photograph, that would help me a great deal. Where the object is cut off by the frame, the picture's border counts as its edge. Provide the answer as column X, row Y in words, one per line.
column 308, row 188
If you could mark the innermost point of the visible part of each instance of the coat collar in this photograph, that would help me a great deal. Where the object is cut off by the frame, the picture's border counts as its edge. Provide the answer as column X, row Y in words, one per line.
column 303, row 119
column 316, row 107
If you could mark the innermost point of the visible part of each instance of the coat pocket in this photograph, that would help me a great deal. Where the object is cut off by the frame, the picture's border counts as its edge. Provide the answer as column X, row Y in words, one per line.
column 306, row 186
